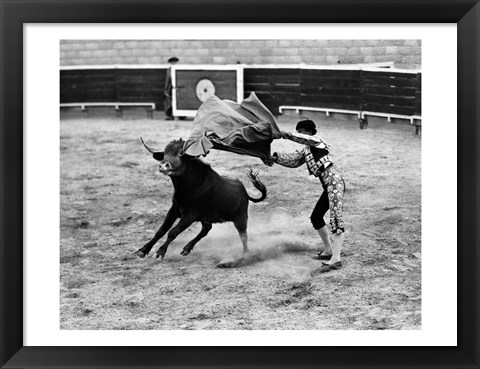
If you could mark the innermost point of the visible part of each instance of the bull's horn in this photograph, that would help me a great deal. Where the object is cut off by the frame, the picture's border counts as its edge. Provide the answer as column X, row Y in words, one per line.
column 153, row 151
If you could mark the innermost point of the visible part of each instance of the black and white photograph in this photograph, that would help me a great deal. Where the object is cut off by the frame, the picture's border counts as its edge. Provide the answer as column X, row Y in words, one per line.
column 237, row 184
column 211, row 184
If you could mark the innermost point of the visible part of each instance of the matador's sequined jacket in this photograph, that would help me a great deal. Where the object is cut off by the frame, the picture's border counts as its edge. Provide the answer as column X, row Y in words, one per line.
column 315, row 154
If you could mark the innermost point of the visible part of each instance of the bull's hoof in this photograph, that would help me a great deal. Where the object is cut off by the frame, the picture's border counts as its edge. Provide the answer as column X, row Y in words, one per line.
column 185, row 252
column 158, row 255
column 140, row 254
column 229, row 264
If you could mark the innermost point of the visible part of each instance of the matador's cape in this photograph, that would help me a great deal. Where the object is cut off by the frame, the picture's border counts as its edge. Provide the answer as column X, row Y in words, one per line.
column 247, row 128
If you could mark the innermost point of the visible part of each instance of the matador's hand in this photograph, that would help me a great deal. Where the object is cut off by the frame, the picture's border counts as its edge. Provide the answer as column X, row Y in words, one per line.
column 268, row 161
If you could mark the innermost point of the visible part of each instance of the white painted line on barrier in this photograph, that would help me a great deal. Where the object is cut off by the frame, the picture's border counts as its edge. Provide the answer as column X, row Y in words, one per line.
column 360, row 114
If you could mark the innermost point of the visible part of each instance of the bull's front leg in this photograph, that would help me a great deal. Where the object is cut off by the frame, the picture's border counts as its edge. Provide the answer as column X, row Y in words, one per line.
column 172, row 215
column 185, row 222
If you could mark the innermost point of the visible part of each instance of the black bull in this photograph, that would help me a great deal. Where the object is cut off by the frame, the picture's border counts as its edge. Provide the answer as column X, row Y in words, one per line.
column 200, row 195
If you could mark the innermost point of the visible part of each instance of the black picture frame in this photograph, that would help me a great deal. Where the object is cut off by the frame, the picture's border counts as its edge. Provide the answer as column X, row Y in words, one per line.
column 14, row 14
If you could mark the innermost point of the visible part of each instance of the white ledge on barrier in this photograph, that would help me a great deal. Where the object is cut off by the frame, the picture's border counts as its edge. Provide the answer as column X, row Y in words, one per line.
column 360, row 114
column 389, row 116
column 117, row 105
column 327, row 111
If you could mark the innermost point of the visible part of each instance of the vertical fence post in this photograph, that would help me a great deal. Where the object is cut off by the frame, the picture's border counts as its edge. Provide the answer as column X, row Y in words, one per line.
column 362, row 119
column 418, row 104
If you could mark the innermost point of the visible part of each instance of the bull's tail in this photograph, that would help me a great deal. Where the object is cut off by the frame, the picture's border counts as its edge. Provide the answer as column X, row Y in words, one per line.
column 253, row 176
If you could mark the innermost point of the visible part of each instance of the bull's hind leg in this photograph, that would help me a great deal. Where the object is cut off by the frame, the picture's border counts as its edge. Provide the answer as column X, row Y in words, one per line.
column 206, row 227
column 242, row 231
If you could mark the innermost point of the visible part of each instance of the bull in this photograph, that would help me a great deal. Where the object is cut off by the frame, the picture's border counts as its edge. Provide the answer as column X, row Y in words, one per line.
column 200, row 195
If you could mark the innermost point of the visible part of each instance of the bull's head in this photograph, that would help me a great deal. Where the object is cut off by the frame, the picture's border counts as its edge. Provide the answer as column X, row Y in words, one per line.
column 172, row 159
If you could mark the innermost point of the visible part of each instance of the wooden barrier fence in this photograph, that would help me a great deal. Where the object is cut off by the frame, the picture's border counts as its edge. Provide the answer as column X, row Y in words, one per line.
column 375, row 91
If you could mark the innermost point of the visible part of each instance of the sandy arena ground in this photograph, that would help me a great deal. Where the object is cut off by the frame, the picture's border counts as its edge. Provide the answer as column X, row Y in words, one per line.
column 113, row 199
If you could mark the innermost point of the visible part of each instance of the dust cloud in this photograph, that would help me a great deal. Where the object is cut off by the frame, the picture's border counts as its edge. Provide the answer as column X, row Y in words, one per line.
column 275, row 249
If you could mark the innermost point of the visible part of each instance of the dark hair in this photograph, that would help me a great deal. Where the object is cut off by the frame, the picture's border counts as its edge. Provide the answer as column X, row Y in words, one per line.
column 307, row 125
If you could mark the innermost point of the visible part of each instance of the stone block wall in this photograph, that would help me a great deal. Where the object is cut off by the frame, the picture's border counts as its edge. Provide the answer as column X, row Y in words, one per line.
column 406, row 54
